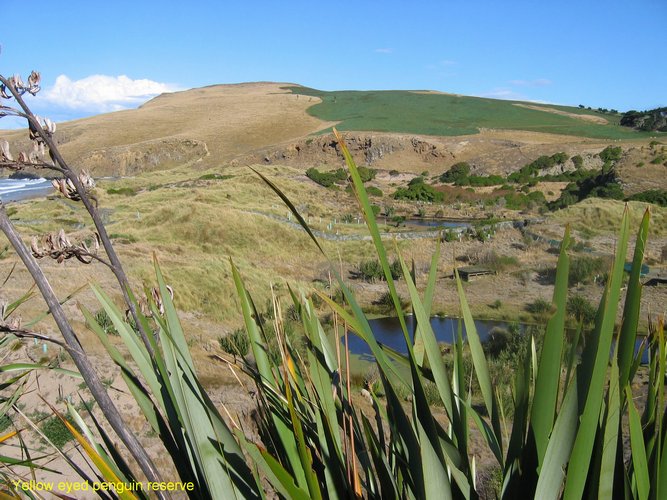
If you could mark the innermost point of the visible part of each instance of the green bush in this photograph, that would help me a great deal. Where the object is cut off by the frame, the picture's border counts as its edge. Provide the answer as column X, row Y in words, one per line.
column 103, row 319
column 450, row 235
column 326, row 179
column 124, row 191
column 457, row 172
column 657, row 196
column 367, row 174
column 56, row 431
column 581, row 309
column 386, row 303
column 373, row 191
column 419, row 192
column 584, row 269
column 611, row 154
column 5, row 422
column 215, row 177
column 539, row 307
column 236, row 343
column 480, row 180
column 371, row 270
column 497, row 262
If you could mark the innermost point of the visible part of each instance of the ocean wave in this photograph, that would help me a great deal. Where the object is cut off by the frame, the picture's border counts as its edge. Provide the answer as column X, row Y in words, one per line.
column 11, row 187
column 7, row 185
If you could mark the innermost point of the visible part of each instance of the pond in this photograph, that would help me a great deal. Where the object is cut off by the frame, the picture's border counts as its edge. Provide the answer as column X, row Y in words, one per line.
column 388, row 332
column 434, row 223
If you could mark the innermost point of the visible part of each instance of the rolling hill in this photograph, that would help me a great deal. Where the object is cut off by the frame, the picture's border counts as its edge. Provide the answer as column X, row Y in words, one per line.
column 255, row 122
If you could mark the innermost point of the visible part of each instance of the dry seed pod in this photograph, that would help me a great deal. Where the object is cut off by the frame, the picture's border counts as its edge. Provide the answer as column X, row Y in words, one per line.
column 60, row 248
column 68, row 190
column 33, row 82
column 4, row 151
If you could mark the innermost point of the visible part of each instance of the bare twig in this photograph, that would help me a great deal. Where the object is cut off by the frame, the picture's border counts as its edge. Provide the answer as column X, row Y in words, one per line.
column 26, row 334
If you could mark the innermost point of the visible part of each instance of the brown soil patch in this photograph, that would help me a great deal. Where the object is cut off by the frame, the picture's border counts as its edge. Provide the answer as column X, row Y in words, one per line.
column 587, row 118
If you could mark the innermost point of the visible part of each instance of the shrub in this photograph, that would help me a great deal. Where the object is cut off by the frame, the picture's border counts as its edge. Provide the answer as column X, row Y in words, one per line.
column 450, row 235
column 419, row 192
column 215, row 177
column 236, row 343
column 457, row 172
column 611, row 154
column 103, row 319
column 5, row 422
column 124, row 191
column 539, row 306
column 581, row 309
column 583, row 269
column 657, row 196
column 480, row 180
column 367, row 174
column 496, row 261
column 386, row 304
column 56, row 431
column 326, row 179
column 373, row 191
column 496, row 342
column 371, row 270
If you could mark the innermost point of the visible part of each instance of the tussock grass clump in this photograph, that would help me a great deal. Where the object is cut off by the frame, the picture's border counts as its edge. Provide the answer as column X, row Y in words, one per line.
column 236, row 343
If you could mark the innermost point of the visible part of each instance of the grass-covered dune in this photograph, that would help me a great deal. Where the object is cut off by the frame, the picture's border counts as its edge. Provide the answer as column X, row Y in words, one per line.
column 439, row 114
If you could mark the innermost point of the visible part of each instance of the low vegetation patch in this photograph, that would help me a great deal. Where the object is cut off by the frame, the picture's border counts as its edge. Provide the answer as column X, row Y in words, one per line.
column 419, row 191
column 371, row 270
column 124, row 191
column 656, row 196
column 326, row 179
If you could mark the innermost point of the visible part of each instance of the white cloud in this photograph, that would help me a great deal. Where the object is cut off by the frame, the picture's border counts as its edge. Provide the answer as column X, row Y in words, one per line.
column 101, row 93
column 540, row 82
column 504, row 93
column 508, row 94
column 384, row 51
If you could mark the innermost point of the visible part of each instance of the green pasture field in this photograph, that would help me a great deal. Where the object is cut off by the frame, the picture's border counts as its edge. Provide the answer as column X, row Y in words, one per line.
column 452, row 115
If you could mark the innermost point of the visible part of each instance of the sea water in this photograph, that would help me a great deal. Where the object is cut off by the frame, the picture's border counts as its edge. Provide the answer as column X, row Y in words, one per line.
column 19, row 189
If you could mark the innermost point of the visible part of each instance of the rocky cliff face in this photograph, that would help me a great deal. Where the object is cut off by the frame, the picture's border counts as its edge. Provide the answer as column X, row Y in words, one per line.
column 143, row 157
column 367, row 149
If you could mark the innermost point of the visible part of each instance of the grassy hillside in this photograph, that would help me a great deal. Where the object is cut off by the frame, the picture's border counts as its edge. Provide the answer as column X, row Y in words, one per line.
column 222, row 121
column 451, row 115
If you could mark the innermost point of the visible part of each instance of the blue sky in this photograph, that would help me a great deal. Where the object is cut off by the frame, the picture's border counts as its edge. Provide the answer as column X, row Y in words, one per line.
column 101, row 56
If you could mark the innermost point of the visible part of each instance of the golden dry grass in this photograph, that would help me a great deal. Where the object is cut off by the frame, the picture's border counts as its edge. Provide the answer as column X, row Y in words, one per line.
column 229, row 119
column 194, row 227
column 604, row 216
